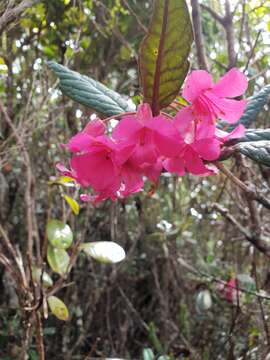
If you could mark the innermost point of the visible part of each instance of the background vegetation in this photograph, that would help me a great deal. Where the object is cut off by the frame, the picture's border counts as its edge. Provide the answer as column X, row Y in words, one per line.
column 190, row 236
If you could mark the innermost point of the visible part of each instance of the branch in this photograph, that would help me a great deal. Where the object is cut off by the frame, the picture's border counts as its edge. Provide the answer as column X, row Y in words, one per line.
column 27, row 162
column 251, row 193
column 12, row 13
column 198, row 36
column 133, row 13
column 15, row 255
column 227, row 22
column 215, row 15
column 252, row 50
column 210, row 277
column 257, row 240
column 230, row 35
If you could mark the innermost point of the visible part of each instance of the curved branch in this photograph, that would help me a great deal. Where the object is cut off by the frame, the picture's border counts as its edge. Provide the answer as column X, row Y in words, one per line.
column 12, row 13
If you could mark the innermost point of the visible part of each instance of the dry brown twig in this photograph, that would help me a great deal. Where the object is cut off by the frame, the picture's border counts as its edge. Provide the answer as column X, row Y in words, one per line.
column 11, row 13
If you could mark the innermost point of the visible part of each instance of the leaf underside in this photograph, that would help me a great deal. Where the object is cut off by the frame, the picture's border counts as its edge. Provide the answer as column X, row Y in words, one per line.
column 164, row 51
column 258, row 151
column 255, row 135
column 89, row 92
column 255, row 105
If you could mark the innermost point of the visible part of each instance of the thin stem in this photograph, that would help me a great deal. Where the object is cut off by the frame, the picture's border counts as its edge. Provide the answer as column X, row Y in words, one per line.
column 251, row 193
column 118, row 116
column 28, row 198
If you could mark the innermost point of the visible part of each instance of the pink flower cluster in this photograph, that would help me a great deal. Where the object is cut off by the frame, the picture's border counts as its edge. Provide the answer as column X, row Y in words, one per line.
column 142, row 146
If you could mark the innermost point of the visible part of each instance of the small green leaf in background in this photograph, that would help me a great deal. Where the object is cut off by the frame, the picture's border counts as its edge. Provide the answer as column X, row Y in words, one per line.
column 63, row 180
column 148, row 354
column 89, row 92
column 58, row 308
column 164, row 53
column 33, row 355
column 246, row 282
column 203, row 301
column 58, row 260
column 107, row 252
column 46, row 279
column 75, row 207
column 59, row 234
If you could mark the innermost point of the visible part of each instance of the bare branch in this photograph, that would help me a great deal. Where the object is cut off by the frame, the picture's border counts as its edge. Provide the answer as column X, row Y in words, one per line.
column 251, row 193
column 27, row 162
column 215, row 15
column 12, row 13
column 260, row 242
column 133, row 13
column 198, row 36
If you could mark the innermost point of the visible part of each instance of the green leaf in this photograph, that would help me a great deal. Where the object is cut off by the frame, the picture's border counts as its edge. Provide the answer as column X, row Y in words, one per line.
column 62, row 180
column 46, row 279
column 255, row 105
column 246, row 282
column 58, row 260
column 148, row 354
column 89, row 92
column 203, row 301
column 75, row 207
column 58, row 308
column 107, row 252
column 258, row 151
column 59, row 234
column 164, row 52
column 33, row 355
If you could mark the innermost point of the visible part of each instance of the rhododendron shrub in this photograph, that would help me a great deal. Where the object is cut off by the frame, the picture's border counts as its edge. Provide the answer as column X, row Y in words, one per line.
column 142, row 146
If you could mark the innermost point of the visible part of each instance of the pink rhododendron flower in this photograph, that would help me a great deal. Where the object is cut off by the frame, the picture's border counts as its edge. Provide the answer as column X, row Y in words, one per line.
column 134, row 130
column 230, row 292
column 200, row 144
column 236, row 133
column 142, row 145
column 97, row 167
column 131, row 175
column 83, row 141
column 210, row 101
column 143, row 132
column 93, row 163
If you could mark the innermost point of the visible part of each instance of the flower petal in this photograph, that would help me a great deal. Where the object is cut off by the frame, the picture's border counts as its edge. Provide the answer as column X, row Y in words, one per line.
column 144, row 113
column 208, row 149
column 175, row 165
column 166, row 137
column 132, row 179
column 233, row 83
column 95, row 128
column 96, row 170
column 227, row 110
column 205, row 130
column 184, row 121
column 80, row 142
column 152, row 171
column 65, row 171
column 197, row 82
column 127, row 129
column 193, row 162
column 145, row 151
column 237, row 133
column 124, row 152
